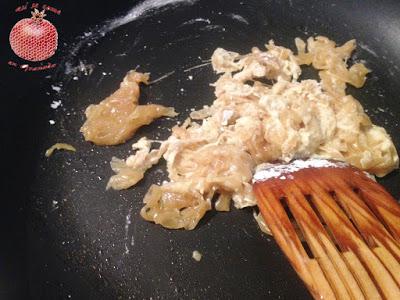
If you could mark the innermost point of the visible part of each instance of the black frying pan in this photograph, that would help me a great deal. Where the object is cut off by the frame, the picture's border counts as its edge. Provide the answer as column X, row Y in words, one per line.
column 63, row 236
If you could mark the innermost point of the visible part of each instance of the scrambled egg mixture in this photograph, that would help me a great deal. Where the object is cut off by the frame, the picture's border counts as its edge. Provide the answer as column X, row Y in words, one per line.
column 262, row 113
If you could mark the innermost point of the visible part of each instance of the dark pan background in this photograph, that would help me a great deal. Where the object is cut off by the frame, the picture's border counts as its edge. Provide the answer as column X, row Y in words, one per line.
column 63, row 236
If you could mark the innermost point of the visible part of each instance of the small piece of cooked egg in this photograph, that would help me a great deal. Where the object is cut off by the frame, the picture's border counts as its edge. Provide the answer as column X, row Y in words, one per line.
column 196, row 255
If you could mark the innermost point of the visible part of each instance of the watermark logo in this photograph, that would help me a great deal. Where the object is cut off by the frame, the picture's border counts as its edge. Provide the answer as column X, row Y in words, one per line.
column 34, row 39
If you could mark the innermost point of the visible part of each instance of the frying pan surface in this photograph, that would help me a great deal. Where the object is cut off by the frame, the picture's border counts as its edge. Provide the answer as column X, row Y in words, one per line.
column 64, row 236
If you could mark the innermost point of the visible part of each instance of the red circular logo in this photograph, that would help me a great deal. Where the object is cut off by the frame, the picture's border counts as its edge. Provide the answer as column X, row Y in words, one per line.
column 34, row 39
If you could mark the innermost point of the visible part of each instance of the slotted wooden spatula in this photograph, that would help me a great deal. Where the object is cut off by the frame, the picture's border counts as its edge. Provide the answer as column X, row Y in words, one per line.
column 339, row 228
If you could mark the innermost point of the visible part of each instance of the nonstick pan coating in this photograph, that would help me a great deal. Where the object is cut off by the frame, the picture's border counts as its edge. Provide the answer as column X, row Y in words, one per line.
column 64, row 236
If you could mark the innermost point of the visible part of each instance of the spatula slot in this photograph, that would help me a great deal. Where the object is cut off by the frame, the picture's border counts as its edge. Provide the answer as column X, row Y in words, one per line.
column 315, row 209
column 311, row 201
column 307, row 249
column 296, row 227
column 285, row 206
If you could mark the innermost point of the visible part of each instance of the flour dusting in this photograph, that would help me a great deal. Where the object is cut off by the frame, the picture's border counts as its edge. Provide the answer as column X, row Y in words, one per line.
column 92, row 35
column 197, row 20
column 367, row 48
column 213, row 27
column 268, row 171
column 238, row 18
column 143, row 9
column 127, row 224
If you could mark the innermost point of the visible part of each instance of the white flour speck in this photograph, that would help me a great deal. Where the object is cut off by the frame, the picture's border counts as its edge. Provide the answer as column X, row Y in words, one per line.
column 55, row 104
column 56, row 88
column 381, row 109
column 52, row 122
column 82, row 68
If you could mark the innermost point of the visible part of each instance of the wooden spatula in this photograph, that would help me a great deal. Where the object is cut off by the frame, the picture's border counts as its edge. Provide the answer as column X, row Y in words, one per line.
column 339, row 228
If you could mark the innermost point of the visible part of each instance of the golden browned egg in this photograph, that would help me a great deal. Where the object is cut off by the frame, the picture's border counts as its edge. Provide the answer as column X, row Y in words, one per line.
column 115, row 119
